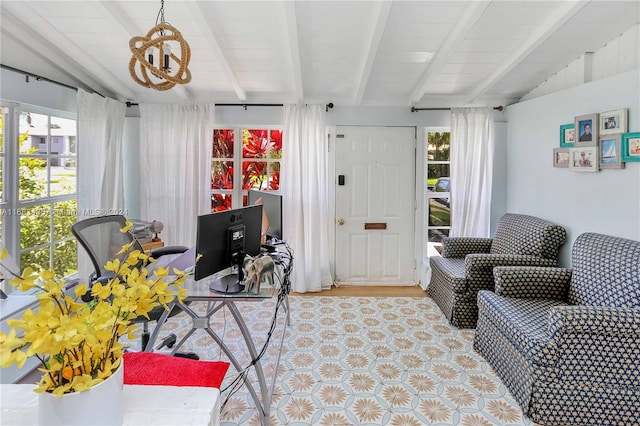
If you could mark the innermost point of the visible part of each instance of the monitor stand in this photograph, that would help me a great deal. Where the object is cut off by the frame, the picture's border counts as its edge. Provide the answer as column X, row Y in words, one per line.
column 228, row 284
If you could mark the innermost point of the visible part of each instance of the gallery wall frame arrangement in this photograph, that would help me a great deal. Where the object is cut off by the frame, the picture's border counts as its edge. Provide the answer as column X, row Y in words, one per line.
column 597, row 141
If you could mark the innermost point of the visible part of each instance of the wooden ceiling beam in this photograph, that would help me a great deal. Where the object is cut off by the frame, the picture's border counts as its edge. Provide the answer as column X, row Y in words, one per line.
column 466, row 23
column 294, row 47
column 212, row 38
column 382, row 14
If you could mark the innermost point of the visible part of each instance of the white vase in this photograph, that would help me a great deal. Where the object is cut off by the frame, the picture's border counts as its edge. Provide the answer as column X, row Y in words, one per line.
column 100, row 405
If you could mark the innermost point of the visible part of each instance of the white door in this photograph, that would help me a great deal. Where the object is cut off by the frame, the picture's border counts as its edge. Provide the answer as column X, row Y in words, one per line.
column 375, row 205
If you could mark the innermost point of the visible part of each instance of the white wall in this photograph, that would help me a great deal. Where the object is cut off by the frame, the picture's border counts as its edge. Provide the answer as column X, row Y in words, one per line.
column 607, row 201
column 15, row 87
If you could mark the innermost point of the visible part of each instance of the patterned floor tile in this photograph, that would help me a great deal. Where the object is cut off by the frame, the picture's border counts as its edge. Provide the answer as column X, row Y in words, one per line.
column 360, row 361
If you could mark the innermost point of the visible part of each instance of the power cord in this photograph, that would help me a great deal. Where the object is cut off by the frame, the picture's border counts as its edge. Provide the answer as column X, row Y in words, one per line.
column 284, row 289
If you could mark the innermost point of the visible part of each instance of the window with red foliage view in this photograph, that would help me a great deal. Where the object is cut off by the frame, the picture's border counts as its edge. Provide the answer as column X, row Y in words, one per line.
column 243, row 159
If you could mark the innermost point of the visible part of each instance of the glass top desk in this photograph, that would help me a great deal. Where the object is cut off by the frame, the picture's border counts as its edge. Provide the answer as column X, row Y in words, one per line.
column 198, row 291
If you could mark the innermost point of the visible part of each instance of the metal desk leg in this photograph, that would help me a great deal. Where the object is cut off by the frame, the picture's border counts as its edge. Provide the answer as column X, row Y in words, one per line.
column 266, row 403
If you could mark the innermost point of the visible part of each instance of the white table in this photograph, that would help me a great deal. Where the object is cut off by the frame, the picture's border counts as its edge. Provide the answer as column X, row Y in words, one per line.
column 143, row 405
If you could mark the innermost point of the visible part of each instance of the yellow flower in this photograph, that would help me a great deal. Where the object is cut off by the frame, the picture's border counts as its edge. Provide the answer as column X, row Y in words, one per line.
column 127, row 227
column 77, row 342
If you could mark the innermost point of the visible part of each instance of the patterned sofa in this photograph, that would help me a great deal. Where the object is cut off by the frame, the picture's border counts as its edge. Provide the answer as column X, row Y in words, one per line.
column 566, row 342
column 466, row 265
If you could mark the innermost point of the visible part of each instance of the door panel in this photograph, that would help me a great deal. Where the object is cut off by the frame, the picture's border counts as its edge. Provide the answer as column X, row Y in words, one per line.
column 379, row 168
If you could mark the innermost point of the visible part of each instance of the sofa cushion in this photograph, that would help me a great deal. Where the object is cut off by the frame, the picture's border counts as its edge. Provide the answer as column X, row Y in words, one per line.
column 529, row 235
column 523, row 322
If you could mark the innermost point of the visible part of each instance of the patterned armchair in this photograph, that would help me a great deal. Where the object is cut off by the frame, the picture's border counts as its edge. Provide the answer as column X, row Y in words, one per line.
column 567, row 342
column 466, row 265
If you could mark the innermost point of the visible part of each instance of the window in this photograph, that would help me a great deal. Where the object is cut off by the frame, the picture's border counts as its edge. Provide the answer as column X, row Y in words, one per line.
column 438, row 186
column 243, row 159
column 38, row 187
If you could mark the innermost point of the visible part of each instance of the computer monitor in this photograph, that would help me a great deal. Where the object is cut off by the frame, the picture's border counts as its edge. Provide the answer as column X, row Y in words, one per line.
column 272, row 204
column 223, row 240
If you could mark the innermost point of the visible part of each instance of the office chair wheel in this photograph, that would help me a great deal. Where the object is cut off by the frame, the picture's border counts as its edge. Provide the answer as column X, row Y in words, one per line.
column 168, row 341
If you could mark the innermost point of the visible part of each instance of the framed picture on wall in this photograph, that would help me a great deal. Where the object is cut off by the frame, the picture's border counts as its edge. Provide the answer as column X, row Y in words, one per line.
column 610, row 152
column 630, row 146
column 586, row 128
column 584, row 159
column 561, row 157
column 567, row 135
column 613, row 122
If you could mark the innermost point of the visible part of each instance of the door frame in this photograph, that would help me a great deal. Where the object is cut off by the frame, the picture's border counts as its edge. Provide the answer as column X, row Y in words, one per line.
column 419, row 201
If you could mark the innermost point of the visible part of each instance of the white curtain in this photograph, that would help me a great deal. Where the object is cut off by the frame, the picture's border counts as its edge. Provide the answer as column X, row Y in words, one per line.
column 100, row 130
column 175, row 167
column 471, row 171
column 100, row 161
column 305, row 192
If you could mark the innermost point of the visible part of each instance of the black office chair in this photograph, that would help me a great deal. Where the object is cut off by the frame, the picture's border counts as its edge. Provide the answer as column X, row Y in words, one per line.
column 102, row 240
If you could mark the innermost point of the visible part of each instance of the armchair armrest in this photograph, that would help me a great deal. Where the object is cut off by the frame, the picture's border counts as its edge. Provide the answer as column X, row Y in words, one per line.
column 532, row 282
column 594, row 320
column 462, row 246
column 596, row 345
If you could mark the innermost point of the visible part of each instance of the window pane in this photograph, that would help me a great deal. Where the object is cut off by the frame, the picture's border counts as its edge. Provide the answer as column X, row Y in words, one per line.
column 274, row 176
column 33, row 177
column 276, row 144
column 65, row 258
column 254, row 175
column 435, row 171
column 35, row 226
column 34, row 130
column 36, row 259
column 436, row 235
column 63, row 177
column 438, row 146
column 223, row 141
column 220, row 202
column 222, row 175
column 439, row 212
column 64, row 215
column 254, row 143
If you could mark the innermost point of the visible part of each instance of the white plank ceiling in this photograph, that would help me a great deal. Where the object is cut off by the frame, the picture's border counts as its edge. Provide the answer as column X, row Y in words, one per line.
column 422, row 53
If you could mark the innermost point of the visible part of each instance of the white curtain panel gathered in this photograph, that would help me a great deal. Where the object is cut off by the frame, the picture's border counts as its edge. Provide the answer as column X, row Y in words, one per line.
column 100, row 131
column 305, row 193
column 472, row 148
column 175, row 167
column 100, row 188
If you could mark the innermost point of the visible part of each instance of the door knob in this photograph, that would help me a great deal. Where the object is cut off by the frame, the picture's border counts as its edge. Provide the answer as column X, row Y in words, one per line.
column 341, row 221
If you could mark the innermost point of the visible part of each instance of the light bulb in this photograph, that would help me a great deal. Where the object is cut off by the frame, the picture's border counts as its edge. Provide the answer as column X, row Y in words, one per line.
column 166, row 49
column 150, row 55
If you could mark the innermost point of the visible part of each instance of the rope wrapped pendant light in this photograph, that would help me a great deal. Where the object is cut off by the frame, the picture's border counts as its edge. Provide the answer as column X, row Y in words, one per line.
column 155, row 63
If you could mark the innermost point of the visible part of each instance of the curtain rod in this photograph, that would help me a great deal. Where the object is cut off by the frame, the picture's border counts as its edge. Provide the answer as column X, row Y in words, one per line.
column 414, row 109
column 328, row 106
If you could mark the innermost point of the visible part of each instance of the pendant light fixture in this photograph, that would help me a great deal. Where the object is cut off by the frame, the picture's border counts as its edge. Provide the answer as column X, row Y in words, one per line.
column 161, row 58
